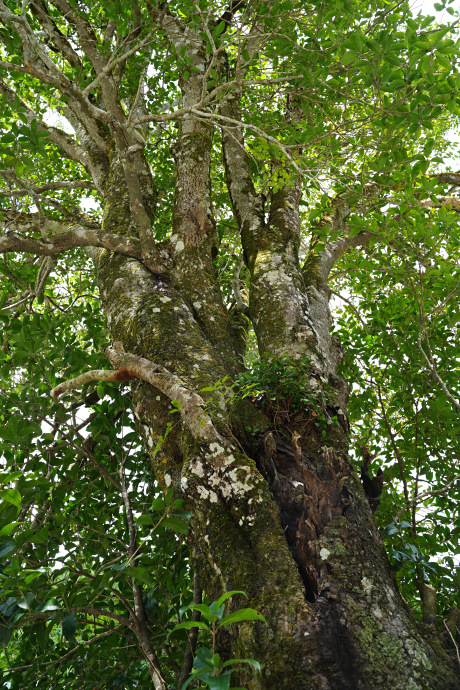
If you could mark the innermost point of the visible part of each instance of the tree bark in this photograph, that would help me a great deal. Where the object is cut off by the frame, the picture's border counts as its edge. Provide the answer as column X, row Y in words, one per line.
column 278, row 513
column 278, row 510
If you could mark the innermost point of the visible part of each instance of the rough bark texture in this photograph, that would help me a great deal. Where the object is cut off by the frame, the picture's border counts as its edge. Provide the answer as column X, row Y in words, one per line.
column 278, row 510
column 280, row 515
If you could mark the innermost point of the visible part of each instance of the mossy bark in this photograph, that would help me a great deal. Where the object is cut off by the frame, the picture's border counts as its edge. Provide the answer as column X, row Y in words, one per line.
column 285, row 521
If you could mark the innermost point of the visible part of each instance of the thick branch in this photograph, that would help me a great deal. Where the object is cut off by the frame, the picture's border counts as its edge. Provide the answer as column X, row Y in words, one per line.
column 38, row 64
column 67, row 237
column 58, row 40
column 129, row 366
column 334, row 250
column 241, row 305
column 90, row 376
column 88, row 39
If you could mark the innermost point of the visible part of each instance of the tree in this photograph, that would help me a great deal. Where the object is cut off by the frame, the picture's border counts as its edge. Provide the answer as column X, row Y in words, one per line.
column 245, row 161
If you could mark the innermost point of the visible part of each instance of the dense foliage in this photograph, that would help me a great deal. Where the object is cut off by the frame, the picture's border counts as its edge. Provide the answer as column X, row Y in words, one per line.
column 360, row 98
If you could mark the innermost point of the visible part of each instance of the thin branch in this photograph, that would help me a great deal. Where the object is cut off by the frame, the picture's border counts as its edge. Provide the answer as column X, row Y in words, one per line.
column 189, row 655
column 430, row 360
column 113, row 63
column 84, row 452
column 65, row 656
column 453, row 641
column 51, row 186
column 394, row 445
column 141, row 627
column 427, row 494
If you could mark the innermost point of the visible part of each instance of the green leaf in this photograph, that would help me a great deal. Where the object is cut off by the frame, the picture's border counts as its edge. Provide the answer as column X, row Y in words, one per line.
column 6, row 547
column 69, row 626
column 206, row 612
column 241, row 615
column 141, row 574
column 186, row 625
column 254, row 663
column 225, row 596
column 12, row 496
column 176, row 524
column 391, row 529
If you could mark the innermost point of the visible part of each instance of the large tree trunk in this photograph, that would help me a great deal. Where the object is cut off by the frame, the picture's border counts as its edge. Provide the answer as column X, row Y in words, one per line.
column 278, row 512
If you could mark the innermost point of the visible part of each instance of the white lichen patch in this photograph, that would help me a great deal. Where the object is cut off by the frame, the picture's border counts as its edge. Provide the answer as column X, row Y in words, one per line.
column 197, row 468
column 165, row 299
column 324, row 554
column 274, row 277
column 168, row 479
column 180, row 246
column 202, row 492
column 207, row 494
column 156, row 310
column 216, row 448
column 197, row 305
column 377, row 612
column 367, row 585
column 217, row 569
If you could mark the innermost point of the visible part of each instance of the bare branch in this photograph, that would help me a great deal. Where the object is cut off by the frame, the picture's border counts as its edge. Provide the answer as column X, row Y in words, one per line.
column 58, row 40
column 334, row 250
column 129, row 366
column 443, row 201
column 89, row 377
column 432, row 366
column 52, row 186
column 65, row 237
column 452, row 178
column 427, row 494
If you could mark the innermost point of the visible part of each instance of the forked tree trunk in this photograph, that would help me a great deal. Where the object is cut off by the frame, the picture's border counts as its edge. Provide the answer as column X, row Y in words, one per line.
column 278, row 510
